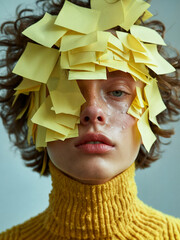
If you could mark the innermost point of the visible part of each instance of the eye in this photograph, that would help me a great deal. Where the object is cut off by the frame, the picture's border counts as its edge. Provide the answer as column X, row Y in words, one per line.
column 117, row 93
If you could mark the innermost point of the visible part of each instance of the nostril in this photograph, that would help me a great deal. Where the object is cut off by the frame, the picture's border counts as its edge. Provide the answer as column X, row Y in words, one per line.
column 99, row 118
column 86, row 119
column 91, row 115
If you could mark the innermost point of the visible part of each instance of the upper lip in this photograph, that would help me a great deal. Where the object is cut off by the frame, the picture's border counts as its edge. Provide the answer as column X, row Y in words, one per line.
column 89, row 137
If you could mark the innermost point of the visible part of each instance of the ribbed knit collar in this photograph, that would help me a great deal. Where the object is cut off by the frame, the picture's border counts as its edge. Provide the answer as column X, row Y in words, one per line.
column 81, row 211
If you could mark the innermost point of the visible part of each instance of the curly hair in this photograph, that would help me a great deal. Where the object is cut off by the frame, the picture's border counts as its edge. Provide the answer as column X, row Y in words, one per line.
column 12, row 45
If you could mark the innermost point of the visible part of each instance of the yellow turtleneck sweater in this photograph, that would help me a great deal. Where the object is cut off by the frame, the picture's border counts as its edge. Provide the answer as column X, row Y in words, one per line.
column 108, row 211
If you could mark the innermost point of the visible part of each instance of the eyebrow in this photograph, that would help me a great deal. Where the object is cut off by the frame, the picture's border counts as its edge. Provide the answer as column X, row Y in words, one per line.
column 125, row 79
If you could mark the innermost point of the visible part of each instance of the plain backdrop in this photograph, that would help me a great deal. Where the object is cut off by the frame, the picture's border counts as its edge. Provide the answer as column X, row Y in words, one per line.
column 24, row 194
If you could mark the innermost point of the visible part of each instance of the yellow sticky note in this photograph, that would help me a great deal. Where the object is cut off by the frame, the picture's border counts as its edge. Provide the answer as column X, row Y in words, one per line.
column 59, row 81
column 155, row 102
column 27, row 85
column 55, row 78
column 42, row 93
column 23, row 111
column 99, row 46
column 36, row 99
column 118, row 65
column 138, row 74
column 118, row 54
column 146, row 34
column 133, row 112
column 148, row 137
column 106, row 10
column 65, row 95
column 37, row 62
column 145, row 17
column 34, row 104
column 45, row 117
column 133, row 9
column 100, row 73
column 40, row 137
column 134, row 44
column 74, row 40
column 54, row 136
column 64, row 63
column 115, row 42
column 73, row 113
column 135, row 109
column 84, row 20
column 105, row 56
column 140, row 67
column 73, row 132
column 81, row 57
column 66, row 120
column 140, row 96
column 45, row 32
column 159, row 64
column 31, row 111
column 117, row 57
column 142, row 58
column 68, row 103
column 130, row 42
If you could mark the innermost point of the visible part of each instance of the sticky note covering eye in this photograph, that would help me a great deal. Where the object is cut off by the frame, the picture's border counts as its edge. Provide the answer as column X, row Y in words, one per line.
column 66, row 96
column 78, row 45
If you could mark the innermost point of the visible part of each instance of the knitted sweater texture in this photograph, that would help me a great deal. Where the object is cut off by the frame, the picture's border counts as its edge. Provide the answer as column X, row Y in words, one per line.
column 96, row 212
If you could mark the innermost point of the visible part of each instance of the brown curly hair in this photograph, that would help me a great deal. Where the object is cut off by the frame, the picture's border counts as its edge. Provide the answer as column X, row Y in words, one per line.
column 13, row 43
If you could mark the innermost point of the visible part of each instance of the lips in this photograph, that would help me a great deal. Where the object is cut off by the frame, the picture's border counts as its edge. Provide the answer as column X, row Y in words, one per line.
column 94, row 143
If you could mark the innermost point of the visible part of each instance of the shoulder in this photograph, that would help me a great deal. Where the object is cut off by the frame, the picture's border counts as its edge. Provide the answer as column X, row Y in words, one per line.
column 173, row 226
column 169, row 226
column 13, row 233
column 25, row 230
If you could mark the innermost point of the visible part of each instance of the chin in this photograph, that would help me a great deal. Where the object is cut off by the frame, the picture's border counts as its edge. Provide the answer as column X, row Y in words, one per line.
column 96, row 174
column 91, row 180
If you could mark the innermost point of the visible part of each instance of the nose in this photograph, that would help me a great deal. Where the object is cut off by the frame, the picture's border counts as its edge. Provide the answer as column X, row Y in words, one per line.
column 92, row 114
column 92, row 111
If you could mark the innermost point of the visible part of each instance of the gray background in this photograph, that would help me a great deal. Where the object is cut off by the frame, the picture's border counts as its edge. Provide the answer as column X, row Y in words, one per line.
column 24, row 194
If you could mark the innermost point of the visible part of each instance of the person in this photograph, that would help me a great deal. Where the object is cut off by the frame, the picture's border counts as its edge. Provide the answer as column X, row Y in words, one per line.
column 83, row 98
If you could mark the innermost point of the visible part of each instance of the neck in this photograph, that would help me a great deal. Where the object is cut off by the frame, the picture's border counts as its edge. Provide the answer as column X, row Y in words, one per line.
column 78, row 210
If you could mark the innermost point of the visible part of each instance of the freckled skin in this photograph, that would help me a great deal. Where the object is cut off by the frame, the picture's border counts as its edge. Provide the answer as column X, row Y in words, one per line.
column 103, row 102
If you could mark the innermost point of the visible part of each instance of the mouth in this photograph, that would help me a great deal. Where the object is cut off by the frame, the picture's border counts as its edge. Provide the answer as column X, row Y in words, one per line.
column 94, row 143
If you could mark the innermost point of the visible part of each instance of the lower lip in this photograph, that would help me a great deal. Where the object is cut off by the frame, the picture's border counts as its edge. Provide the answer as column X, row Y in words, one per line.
column 95, row 148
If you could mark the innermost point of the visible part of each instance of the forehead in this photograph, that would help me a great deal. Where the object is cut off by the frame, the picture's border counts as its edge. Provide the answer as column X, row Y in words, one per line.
column 120, row 75
column 126, row 78
column 114, row 78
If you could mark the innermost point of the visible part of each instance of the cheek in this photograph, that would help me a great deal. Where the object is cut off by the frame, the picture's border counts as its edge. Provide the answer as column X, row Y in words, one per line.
column 118, row 118
column 57, row 152
column 124, row 126
column 52, row 151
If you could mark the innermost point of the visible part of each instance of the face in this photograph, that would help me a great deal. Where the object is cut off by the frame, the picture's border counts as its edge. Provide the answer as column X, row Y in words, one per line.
column 109, row 140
